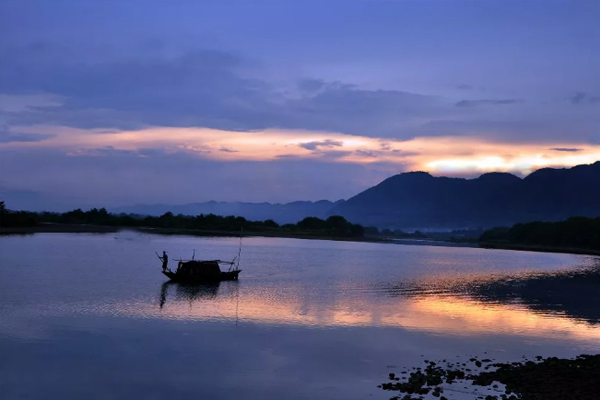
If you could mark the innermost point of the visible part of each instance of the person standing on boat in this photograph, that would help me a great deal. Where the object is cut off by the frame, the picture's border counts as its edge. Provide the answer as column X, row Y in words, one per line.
column 165, row 260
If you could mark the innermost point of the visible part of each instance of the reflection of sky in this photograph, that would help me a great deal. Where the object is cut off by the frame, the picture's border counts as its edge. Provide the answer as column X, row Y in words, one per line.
column 81, row 316
column 319, row 99
column 287, row 282
column 453, row 315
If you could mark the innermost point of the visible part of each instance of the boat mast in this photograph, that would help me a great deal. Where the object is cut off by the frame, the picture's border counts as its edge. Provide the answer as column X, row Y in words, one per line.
column 237, row 267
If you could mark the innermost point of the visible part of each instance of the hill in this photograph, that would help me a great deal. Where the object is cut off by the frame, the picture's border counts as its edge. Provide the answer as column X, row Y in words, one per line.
column 280, row 213
column 418, row 200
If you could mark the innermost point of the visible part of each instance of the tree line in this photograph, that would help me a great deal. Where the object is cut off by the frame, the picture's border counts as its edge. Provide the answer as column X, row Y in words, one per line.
column 334, row 226
column 575, row 232
column 10, row 218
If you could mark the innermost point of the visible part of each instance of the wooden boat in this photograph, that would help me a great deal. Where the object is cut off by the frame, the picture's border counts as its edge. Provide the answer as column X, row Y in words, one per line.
column 203, row 271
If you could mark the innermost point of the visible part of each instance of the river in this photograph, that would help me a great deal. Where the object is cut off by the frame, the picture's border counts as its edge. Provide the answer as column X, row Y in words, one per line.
column 90, row 315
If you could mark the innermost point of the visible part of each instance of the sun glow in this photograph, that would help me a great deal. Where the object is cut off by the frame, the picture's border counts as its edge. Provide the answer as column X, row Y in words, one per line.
column 452, row 155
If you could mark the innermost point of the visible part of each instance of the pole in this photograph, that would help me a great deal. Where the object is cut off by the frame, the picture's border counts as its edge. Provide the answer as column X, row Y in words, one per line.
column 240, row 250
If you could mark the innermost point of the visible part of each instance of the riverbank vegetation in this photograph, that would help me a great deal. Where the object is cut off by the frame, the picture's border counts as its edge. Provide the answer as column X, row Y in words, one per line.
column 10, row 218
column 577, row 233
column 334, row 226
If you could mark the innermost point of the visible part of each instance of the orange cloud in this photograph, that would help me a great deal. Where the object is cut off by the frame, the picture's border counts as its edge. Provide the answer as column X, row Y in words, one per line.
column 440, row 155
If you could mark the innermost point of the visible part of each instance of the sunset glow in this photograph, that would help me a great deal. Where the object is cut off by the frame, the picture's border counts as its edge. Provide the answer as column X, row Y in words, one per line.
column 286, row 120
column 445, row 155
column 326, row 199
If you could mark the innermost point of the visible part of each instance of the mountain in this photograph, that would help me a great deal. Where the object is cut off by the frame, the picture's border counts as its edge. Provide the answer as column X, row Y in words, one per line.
column 417, row 200
column 280, row 213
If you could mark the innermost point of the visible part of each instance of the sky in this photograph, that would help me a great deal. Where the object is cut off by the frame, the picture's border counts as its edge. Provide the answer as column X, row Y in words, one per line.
column 109, row 103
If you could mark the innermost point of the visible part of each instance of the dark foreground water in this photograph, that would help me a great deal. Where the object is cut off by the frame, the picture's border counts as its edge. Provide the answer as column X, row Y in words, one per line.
column 86, row 316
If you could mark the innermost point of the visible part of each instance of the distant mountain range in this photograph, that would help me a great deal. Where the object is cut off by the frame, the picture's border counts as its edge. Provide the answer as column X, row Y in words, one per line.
column 418, row 200
column 280, row 213
column 413, row 200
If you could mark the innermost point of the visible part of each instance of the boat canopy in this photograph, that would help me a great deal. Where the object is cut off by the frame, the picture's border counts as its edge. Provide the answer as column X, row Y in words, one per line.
column 199, row 268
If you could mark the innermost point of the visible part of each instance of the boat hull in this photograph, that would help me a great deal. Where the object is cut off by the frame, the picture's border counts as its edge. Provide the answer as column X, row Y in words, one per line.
column 223, row 276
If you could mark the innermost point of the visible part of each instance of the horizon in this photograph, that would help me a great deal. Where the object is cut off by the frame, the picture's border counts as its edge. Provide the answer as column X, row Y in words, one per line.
column 176, row 103
column 120, row 207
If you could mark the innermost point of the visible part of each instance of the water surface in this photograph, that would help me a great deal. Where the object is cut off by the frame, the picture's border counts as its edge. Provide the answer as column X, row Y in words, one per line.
column 90, row 316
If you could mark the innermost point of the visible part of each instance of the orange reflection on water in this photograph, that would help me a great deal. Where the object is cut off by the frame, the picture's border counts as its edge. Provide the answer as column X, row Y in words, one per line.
column 441, row 314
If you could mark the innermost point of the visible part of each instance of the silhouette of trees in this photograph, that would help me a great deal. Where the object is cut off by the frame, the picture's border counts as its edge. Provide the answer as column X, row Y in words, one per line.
column 10, row 218
column 335, row 226
column 575, row 232
column 397, row 233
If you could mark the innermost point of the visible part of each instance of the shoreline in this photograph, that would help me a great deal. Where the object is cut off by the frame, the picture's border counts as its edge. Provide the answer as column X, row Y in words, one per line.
column 81, row 228
column 538, row 248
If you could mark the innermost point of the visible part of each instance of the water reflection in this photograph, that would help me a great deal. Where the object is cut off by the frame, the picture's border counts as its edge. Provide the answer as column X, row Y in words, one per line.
column 557, row 305
column 68, row 299
column 188, row 292
column 446, row 291
column 569, row 293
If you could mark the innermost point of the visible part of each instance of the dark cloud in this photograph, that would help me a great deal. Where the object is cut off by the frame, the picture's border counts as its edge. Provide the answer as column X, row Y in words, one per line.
column 201, row 88
column 290, row 157
column 332, row 154
column 366, row 153
column 107, row 151
column 584, row 98
column 512, row 129
column 464, row 87
column 227, row 150
column 318, row 144
column 566, row 149
column 475, row 103
column 578, row 98
column 311, row 85
column 12, row 137
column 223, row 90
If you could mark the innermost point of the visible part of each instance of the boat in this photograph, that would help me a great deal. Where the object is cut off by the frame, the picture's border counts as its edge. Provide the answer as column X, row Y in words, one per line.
column 192, row 271
column 200, row 271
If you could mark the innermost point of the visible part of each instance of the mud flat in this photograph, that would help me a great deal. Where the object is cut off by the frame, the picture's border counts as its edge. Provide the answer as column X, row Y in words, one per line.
column 538, row 379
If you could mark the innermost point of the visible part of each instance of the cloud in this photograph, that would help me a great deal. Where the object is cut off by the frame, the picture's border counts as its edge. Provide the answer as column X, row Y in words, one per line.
column 464, row 87
column 107, row 151
column 474, row 103
column 227, row 150
column 311, row 85
column 584, row 98
column 366, row 153
column 6, row 136
column 269, row 165
column 333, row 155
column 315, row 145
column 201, row 88
column 566, row 149
column 578, row 98
column 224, row 90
